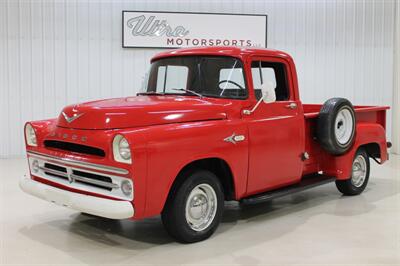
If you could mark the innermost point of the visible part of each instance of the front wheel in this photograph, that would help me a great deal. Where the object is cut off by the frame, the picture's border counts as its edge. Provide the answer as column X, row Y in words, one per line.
column 359, row 176
column 194, row 209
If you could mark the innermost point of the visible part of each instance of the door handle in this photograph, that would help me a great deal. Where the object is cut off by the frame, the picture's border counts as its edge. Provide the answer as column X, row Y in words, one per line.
column 291, row 106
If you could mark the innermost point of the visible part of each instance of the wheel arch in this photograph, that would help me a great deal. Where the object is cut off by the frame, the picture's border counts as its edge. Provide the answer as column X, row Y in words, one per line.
column 370, row 136
column 216, row 165
column 373, row 149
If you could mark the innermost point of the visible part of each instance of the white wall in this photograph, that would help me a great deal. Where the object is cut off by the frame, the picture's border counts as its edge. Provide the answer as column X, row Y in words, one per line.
column 58, row 53
column 396, row 87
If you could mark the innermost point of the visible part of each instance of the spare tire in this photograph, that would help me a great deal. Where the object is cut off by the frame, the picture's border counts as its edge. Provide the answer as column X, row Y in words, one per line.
column 336, row 126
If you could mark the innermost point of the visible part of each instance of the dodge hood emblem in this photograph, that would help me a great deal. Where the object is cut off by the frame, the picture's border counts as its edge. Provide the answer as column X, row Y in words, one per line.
column 72, row 118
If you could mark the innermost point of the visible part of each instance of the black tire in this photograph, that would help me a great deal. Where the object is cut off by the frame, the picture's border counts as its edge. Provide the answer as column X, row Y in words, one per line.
column 174, row 213
column 326, row 124
column 350, row 187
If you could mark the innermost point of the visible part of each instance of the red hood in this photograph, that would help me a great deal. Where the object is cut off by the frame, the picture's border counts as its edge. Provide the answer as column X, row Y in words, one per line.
column 141, row 111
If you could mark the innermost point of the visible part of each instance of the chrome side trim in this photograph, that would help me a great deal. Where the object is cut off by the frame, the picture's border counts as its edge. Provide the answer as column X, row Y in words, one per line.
column 235, row 138
column 94, row 166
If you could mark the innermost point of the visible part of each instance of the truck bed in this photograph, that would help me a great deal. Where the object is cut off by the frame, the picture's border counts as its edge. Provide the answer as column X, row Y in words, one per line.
column 312, row 110
column 364, row 114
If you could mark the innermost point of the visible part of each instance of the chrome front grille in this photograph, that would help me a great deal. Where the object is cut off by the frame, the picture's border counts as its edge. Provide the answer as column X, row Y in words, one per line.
column 54, row 170
column 100, row 181
column 75, row 175
column 96, row 180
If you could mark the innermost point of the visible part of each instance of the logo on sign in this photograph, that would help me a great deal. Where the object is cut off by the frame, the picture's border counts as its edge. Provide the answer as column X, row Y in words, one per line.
column 172, row 30
column 142, row 26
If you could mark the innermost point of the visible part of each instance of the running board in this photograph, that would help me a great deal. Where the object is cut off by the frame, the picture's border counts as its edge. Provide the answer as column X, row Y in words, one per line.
column 306, row 183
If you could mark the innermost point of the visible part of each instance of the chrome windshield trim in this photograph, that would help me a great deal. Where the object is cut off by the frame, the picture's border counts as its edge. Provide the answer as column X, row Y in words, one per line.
column 94, row 166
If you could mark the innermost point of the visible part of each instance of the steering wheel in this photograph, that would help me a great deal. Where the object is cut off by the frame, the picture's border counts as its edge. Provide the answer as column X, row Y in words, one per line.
column 230, row 81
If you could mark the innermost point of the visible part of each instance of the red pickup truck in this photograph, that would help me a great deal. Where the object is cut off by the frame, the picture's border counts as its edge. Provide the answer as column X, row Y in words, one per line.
column 212, row 124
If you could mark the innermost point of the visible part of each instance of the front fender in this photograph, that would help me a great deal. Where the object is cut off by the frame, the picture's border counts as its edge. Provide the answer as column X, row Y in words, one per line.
column 171, row 147
column 367, row 133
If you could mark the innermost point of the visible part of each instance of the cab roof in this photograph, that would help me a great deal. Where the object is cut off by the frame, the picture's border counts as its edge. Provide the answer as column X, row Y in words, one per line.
column 234, row 51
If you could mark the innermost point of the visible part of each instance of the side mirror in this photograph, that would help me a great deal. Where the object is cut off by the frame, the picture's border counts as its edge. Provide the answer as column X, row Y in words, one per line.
column 268, row 96
column 268, row 92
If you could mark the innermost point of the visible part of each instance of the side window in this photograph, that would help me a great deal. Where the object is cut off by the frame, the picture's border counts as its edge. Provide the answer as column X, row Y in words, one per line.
column 171, row 77
column 273, row 72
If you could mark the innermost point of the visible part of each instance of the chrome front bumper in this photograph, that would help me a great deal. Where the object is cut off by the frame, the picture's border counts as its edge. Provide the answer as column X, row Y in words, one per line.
column 113, row 209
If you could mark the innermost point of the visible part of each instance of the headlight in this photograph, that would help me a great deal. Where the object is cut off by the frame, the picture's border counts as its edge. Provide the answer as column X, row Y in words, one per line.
column 121, row 149
column 30, row 135
column 124, row 149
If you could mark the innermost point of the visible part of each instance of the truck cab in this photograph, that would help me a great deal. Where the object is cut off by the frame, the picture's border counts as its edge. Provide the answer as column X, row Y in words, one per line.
column 212, row 124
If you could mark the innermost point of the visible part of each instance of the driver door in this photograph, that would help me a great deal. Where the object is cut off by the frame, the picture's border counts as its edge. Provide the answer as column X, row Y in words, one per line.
column 275, row 130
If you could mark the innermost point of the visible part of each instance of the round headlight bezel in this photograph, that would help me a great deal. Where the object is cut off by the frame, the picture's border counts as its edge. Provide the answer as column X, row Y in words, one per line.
column 127, row 188
column 121, row 149
column 30, row 135
column 35, row 166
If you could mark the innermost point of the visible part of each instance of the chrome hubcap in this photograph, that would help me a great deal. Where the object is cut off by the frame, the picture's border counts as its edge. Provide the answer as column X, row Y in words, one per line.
column 359, row 171
column 201, row 207
column 344, row 126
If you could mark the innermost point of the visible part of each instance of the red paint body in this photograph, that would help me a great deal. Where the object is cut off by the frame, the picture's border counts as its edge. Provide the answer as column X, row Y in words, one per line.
column 166, row 133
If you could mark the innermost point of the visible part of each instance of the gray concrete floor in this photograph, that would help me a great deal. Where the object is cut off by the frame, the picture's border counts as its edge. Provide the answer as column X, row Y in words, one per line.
column 315, row 227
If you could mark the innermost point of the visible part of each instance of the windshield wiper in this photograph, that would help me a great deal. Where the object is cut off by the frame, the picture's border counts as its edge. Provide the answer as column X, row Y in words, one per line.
column 190, row 91
column 149, row 93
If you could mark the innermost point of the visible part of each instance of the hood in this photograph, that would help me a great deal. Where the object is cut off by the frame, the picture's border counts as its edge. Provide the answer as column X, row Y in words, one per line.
column 140, row 111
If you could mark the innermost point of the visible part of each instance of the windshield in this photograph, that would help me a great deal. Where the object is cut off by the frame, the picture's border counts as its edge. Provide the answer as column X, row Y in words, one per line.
column 210, row 76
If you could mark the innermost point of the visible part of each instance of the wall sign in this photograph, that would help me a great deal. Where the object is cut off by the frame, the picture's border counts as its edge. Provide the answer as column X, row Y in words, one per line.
column 173, row 30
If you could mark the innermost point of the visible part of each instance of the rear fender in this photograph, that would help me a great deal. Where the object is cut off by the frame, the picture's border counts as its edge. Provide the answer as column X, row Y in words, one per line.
column 367, row 133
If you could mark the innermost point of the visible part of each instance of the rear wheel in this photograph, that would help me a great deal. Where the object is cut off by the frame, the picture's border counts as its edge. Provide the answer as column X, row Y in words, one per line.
column 359, row 176
column 194, row 209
